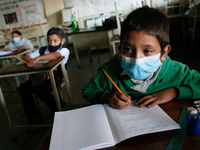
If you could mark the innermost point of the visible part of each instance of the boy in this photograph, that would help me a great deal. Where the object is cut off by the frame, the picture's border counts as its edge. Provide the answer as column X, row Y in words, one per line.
column 142, row 70
column 54, row 50
column 18, row 42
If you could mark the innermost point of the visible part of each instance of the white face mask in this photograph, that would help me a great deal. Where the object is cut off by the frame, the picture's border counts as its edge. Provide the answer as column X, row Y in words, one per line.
column 142, row 68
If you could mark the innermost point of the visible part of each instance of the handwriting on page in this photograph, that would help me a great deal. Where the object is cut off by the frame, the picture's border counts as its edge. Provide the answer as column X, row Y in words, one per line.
column 136, row 119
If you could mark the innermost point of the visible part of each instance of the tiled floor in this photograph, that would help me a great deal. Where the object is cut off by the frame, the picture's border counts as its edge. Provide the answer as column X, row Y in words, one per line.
column 78, row 78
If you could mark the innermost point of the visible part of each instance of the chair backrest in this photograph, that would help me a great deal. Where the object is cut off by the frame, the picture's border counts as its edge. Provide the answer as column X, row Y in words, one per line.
column 173, row 9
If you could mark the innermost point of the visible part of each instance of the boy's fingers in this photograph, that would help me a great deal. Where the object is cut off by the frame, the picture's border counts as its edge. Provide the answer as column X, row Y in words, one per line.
column 123, row 97
column 146, row 101
column 142, row 99
column 118, row 104
column 153, row 103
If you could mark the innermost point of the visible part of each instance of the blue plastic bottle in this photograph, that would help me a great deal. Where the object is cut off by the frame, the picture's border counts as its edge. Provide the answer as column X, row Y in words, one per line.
column 193, row 121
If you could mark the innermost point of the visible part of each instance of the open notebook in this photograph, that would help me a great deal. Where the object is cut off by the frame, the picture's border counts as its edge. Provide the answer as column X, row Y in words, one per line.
column 100, row 126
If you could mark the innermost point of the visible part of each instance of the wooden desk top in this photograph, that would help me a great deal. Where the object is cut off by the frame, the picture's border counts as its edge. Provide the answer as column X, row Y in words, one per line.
column 39, row 67
column 154, row 141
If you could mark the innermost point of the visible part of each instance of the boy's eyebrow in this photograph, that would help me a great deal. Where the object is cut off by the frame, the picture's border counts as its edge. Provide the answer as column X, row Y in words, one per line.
column 150, row 46
column 127, row 43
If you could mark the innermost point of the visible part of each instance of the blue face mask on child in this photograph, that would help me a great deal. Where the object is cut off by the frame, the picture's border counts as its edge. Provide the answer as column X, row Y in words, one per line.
column 15, row 40
column 142, row 68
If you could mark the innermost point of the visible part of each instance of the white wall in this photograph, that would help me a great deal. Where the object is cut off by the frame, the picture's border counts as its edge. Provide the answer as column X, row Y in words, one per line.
column 93, row 8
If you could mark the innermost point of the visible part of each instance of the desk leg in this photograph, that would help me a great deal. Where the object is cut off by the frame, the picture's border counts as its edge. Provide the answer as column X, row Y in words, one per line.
column 98, row 54
column 113, row 46
column 110, row 35
column 6, row 111
column 77, row 57
column 66, row 79
column 17, row 81
column 89, row 53
column 55, row 91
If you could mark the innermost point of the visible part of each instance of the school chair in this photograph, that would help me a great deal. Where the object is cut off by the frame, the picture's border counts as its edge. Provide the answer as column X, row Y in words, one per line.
column 34, row 33
column 115, row 40
column 7, row 34
column 2, row 39
column 173, row 9
column 194, row 15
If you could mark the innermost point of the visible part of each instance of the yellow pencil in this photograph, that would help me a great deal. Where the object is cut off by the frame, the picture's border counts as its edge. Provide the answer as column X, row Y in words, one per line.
column 129, row 102
column 20, row 59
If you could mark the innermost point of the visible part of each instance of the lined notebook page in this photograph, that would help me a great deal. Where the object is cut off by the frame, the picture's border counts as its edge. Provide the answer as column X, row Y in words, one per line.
column 134, row 120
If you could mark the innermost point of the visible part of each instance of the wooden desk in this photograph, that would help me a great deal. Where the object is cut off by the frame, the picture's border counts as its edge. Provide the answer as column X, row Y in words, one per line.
column 152, row 141
column 17, row 70
column 11, row 56
column 15, row 53
column 91, row 38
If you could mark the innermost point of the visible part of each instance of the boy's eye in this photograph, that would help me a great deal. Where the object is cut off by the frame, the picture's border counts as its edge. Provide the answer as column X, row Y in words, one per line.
column 128, row 49
column 147, row 51
column 55, row 41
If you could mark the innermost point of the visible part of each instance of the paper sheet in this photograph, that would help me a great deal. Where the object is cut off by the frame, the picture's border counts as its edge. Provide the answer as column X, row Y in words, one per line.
column 134, row 120
column 2, row 53
column 81, row 128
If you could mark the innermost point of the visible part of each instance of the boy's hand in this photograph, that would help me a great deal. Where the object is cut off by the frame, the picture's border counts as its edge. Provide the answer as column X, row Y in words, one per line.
column 27, row 58
column 159, row 97
column 116, row 99
column 21, row 48
column 8, row 49
column 32, row 62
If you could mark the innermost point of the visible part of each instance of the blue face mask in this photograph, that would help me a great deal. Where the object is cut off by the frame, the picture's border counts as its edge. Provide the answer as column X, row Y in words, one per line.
column 15, row 40
column 142, row 68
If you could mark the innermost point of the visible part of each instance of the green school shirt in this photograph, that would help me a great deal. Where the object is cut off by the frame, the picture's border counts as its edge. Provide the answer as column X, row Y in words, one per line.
column 172, row 74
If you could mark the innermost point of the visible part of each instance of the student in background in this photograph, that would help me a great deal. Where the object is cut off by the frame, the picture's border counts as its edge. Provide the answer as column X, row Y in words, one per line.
column 142, row 69
column 18, row 42
column 43, row 87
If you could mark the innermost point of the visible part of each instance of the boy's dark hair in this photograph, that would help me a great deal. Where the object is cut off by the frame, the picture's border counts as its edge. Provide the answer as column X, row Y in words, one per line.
column 17, row 32
column 149, row 20
column 55, row 30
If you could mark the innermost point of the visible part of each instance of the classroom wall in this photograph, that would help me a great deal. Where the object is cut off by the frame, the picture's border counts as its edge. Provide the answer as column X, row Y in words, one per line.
column 95, row 11
column 94, row 7
column 53, row 11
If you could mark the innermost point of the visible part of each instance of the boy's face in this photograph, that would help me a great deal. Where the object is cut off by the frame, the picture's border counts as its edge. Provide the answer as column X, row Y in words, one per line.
column 15, row 35
column 139, row 44
column 54, row 40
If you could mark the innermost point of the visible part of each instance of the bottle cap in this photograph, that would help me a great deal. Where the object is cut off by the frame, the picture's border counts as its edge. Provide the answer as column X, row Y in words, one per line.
column 192, row 110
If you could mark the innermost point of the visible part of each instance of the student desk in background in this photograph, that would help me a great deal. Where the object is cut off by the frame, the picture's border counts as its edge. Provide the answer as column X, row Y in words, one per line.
column 158, row 140
column 15, row 53
column 17, row 70
column 91, row 38
column 8, row 56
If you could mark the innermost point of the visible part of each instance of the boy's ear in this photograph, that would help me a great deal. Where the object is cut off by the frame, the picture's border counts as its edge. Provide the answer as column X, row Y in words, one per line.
column 63, row 41
column 165, row 53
